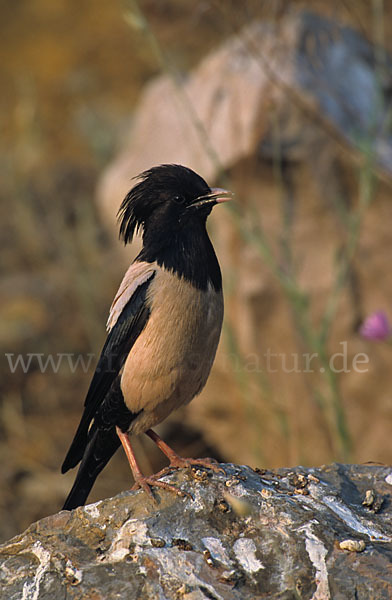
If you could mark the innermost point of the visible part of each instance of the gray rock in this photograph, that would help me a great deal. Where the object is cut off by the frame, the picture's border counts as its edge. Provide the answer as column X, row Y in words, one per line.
column 301, row 533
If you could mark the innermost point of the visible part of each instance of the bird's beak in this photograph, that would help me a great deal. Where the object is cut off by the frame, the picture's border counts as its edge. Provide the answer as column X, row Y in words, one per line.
column 214, row 196
column 220, row 195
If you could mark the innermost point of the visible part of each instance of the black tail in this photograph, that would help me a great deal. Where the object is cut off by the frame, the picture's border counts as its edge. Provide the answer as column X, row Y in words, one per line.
column 100, row 448
column 78, row 446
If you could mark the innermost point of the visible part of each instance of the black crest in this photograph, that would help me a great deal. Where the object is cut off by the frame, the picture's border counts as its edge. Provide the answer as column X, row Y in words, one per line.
column 157, row 186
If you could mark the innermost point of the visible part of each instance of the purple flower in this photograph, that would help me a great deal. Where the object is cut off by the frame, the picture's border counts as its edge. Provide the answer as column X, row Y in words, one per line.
column 376, row 326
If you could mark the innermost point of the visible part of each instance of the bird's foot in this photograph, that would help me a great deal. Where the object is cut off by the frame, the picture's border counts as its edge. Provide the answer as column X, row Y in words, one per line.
column 141, row 481
column 178, row 462
column 145, row 483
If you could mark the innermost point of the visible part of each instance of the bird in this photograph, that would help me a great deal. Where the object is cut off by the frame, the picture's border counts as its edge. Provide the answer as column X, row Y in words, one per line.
column 163, row 328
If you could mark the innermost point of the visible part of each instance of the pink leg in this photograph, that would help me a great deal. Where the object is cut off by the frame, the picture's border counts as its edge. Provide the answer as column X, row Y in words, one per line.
column 179, row 462
column 140, row 480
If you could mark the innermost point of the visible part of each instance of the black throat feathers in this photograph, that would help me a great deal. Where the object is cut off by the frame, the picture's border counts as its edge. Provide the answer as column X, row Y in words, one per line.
column 187, row 252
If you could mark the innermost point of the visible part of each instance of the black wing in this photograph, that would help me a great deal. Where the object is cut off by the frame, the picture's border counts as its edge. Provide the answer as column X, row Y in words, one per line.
column 119, row 342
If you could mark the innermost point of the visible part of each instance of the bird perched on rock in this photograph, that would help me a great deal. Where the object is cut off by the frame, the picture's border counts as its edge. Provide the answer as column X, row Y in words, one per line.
column 163, row 328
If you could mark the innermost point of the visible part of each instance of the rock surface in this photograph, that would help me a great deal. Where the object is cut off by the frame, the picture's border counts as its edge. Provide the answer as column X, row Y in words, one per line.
column 303, row 533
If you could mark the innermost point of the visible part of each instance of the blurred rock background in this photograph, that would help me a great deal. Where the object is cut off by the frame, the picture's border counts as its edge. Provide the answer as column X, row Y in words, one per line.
column 286, row 103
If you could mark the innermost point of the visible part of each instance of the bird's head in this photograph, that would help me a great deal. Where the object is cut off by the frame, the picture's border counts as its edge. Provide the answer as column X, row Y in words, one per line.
column 167, row 197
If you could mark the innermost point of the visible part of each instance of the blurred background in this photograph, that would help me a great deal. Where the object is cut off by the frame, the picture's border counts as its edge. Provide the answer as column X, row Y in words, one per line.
column 286, row 103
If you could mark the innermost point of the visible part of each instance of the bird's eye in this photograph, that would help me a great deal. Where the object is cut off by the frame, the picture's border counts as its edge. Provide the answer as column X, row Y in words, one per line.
column 179, row 199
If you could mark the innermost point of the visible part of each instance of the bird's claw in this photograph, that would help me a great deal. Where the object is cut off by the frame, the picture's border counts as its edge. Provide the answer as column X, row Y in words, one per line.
column 145, row 483
column 207, row 463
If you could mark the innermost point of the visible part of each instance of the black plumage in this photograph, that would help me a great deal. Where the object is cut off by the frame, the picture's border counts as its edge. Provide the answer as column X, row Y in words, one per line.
column 117, row 346
column 164, row 324
column 174, row 231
